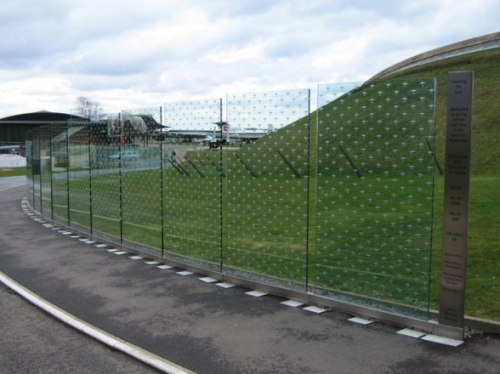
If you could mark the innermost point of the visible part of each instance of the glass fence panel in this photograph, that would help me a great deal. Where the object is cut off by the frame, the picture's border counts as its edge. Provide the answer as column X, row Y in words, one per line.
column 45, row 171
column 374, row 195
column 106, row 179
column 141, row 183
column 149, row 121
column 59, row 147
column 267, row 172
column 29, row 166
column 192, row 191
column 79, row 174
column 36, row 170
column 332, row 91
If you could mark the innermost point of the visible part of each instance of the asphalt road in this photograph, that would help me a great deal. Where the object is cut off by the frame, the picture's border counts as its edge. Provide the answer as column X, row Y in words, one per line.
column 33, row 342
column 8, row 183
column 203, row 327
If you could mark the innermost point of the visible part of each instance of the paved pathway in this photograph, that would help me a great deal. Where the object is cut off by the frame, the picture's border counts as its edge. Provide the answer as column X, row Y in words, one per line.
column 33, row 342
column 206, row 328
column 8, row 183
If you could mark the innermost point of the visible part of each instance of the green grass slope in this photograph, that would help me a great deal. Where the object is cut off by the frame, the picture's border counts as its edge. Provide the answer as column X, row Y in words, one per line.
column 483, row 271
column 483, row 283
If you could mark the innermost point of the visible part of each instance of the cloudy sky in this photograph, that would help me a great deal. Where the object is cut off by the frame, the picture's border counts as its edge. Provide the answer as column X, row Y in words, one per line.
column 126, row 54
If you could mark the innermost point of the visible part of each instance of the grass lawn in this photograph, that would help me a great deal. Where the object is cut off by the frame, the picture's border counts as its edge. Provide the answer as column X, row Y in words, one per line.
column 12, row 172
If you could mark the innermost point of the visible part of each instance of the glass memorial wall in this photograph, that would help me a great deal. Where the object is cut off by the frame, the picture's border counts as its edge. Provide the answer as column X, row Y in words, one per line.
column 267, row 168
column 29, row 166
column 140, row 164
column 332, row 91
column 341, row 208
column 106, row 183
column 59, row 152
column 36, row 170
column 45, row 171
column 143, row 123
column 192, row 182
column 79, row 174
column 375, row 193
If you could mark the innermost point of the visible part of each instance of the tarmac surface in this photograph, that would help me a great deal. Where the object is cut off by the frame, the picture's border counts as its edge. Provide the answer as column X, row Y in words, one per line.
column 198, row 325
column 33, row 342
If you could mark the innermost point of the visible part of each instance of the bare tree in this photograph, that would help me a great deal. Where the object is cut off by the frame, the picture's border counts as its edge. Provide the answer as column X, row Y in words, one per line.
column 88, row 108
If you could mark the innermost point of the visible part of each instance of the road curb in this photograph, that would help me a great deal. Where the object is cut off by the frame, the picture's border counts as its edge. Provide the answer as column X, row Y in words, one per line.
column 102, row 336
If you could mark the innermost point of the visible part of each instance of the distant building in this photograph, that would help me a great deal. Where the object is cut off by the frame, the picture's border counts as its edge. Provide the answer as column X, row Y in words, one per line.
column 13, row 128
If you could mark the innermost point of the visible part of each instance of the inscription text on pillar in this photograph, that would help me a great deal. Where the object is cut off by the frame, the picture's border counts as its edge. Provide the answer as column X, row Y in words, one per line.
column 456, row 198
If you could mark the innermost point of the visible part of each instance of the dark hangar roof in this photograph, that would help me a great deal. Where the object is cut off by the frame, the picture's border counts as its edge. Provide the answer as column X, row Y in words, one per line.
column 40, row 117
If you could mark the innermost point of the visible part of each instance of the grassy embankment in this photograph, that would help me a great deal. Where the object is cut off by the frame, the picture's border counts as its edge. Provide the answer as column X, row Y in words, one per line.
column 483, row 268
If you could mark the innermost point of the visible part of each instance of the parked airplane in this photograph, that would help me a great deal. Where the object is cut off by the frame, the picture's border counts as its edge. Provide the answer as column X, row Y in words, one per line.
column 225, row 134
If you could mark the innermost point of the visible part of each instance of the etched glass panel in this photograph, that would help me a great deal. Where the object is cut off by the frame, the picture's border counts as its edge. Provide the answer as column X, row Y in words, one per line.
column 36, row 170
column 149, row 120
column 59, row 140
column 106, row 178
column 79, row 174
column 45, row 171
column 330, row 92
column 374, row 195
column 192, row 191
column 267, row 171
column 29, row 165
column 141, row 183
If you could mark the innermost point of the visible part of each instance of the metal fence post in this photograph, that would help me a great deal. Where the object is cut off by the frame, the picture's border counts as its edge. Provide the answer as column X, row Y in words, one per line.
column 121, row 175
column 90, row 178
column 308, row 188
column 67, row 171
column 51, row 174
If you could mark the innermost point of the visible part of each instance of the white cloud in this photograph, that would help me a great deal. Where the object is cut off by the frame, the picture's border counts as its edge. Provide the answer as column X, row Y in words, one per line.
column 128, row 53
column 234, row 54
